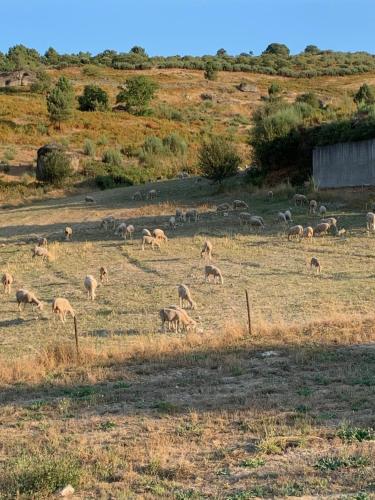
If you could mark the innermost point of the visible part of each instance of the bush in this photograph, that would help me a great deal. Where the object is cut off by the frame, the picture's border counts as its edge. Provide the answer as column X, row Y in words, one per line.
column 91, row 71
column 278, row 49
column 365, row 95
column 112, row 157
column 43, row 83
column 153, row 145
column 210, row 71
column 89, row 148
column 137, row 94
column 218, row 159
column 56, row 168
column 93, row 99
column 175, row 144
column 309, row 98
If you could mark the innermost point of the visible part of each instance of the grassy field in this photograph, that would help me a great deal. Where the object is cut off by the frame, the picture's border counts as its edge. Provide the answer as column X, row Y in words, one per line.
column 287, row 412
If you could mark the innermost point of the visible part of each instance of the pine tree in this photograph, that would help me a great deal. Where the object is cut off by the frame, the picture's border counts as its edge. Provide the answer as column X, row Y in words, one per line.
column 60, row 102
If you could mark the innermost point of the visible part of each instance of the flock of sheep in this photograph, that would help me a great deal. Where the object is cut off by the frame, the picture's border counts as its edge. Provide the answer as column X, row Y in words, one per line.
column 176, row 317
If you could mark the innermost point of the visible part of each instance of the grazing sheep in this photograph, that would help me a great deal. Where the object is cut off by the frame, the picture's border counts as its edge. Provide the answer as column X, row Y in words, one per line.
column 172, row 222
column 103, row 274
column 108, row 222
column 129, row 231
column 341, row 232
column 150, row 240
column 185, row 295
column 68, row 233
column 299, row 199
column 322, row 210
column 146, row 232
column 91, row 285
column 370, row 221
column 281, row 218
column 89, row 199
column 215, row 272
column 223, row 207
column 257, row 221
column 159, row 235
column 313, row 205
column 41, row 252
column 207, row 249
column 152, row 194
column 24, row 297
column 137, row 196
column 245, row 218
column 192, row 214
column 330, row 220
column 314, row 264
column 321, row 229
column 62, row 307
column 121, row 229
column 308, row 232
column 7, row 281
column 168, row 316
column 239, row 204
column 270, row 195
column 296, row 231
column 180, row 216
column 288, row 215
column 175, row 316
column 42, row 242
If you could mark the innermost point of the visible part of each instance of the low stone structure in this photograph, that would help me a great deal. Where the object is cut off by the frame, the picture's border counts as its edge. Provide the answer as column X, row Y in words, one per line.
column 16, row 78
column 49, row 148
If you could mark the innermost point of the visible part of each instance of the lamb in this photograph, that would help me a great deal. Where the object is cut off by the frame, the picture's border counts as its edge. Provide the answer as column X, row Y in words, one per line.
column 239, row 204
column 314, row 263
column 152, row 194
column 121, row 229
column 42, row 242
column 68, row 233
column 172, row 222
column 89, row 199
column 207, row 249
column 370, row 221
column 103, row 274
column 322, row 210
column 296, row 231
column 321, row 229
column 146, row 232
column 192, row 213
column 185, row 295
column 223, row 207
column 313, row 205
column 150, row 240
column 41, row 252
column 299, row 199
column 129, row 231
column 62, row 307
column 215, row 272
column 137, row 196
column 91, row 285
column 7, row 281
column 308, row 232
column 159, row 235
column 24, row 297
column 108, row 222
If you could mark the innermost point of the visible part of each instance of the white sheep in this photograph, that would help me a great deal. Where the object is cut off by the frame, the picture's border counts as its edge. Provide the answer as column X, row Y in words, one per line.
column 192, row 214
column 281, row 218
column 215, row 272
column 240, row 204
column 159, row 235
column 314, row 264
column 222, row 208
column 103, row 274
column 370, row 221
column 42, row 242
column 288, row 215
column 207, row 250
column 296, row 231
column 129, row 231
column 137, row 196
column 321, row 229
column 330, row 220
column 172, row 222
column 109, row 222
column 146, row 232
column 62, row 307
column 322, row 210
column 91, row 285
column 68, row 233
column 175, row 316
column 152, row 194
column 185, row 295
column 180, row 216
column 150, row 240
column 308, row 232
column 299, row 199
column 7, row 280
column 313, row 205
column 257, row 221
column 24, row 297
column 121, row 229
column 41, row 252
column 244, row 218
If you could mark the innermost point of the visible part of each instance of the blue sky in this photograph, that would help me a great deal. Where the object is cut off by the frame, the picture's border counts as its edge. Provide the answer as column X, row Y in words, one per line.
column 195, row 27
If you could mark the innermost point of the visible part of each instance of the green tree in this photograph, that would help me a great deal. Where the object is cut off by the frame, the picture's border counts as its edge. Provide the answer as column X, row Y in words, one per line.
column 218, row 159
column 42, row 83
column 57, row 168
column 60, row 101
column 274, row 89
column 52, row 56
column 21, row 58
column 365, row 95
column 93, row 99
column 140, row 51
column 278, row 49
column 210, row 71
column 311, row 49
column 221, row 53
column 137, row 94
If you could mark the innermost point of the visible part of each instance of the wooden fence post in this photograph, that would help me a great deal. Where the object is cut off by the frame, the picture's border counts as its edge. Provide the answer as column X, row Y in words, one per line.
column 248, row 311
column 76, row 336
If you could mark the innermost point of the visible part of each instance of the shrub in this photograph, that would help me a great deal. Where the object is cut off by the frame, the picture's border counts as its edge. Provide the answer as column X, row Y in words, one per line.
column 365, row 95
column 153, row 145
column 56, row 167
column 42, row 84
column 91, row 70
column 218, row 159
column 210, row 71
column 309, row 98
column 112, row 157
column 9, row 154
column 175, row 144
column 60, row 101
column 89, row 148
column 137, row 94
column 274, row 89
column 93, row 99
column 278, row 49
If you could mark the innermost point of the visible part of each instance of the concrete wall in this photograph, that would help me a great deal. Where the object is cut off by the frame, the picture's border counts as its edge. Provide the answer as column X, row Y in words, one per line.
column 345, row 164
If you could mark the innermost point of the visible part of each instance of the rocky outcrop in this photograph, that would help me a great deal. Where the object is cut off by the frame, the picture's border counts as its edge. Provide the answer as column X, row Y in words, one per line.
column 16, row 78
column 49, row 148
column 247, row 87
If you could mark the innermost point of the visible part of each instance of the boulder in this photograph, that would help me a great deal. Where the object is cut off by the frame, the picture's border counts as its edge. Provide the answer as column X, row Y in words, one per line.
column 49, row 148
column 247, row 87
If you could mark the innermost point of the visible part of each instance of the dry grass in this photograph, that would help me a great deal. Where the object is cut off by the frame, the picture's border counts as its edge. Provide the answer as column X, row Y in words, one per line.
column 203, row 415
